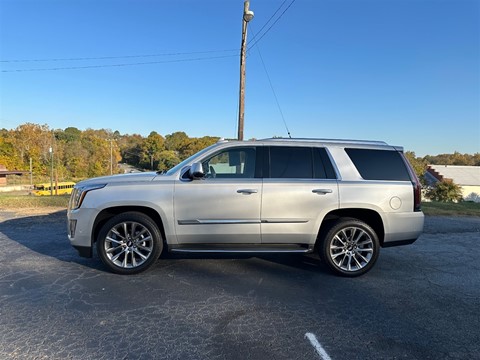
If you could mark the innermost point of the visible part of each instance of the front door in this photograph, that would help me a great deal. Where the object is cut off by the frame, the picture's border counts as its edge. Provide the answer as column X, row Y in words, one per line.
column 225, row 206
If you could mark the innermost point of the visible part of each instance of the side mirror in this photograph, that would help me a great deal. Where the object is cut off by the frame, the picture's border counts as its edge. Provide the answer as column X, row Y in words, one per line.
column 196, row 171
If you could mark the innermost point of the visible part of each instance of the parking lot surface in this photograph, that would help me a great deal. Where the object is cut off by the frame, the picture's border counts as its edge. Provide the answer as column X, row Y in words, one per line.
column 420, row 301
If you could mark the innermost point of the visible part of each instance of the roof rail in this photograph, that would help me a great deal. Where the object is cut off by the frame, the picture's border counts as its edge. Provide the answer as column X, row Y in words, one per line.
column 344, row 141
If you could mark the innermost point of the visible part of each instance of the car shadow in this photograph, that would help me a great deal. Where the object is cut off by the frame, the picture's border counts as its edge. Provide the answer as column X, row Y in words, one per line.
column 46, row 234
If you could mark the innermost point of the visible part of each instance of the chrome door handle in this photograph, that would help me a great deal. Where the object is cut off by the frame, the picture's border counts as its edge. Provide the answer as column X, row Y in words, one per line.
column 247, row 191
column 322, row 191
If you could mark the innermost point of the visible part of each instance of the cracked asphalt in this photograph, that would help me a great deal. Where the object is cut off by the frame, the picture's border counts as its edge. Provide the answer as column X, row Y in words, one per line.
column 420, row 301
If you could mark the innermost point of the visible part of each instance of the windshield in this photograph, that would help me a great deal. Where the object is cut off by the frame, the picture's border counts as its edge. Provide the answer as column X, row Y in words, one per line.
column 188, row 160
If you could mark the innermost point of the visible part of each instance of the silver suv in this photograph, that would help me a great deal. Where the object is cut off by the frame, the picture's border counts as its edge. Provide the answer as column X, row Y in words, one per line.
column 341, row 198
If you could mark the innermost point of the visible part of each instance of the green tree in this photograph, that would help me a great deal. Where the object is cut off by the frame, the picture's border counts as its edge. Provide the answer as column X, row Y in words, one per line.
column 419, row 165
column 152, row 147
column 445, row 191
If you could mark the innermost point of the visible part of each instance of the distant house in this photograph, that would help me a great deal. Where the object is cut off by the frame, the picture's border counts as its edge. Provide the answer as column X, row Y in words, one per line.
column 468, row 177
column 4, row 172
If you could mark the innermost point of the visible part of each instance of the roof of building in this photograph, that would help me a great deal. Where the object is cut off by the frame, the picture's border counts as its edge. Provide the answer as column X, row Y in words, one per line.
column 460, row 175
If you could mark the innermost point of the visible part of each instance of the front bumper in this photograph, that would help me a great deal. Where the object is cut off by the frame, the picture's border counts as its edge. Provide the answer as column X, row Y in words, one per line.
column 80, row 229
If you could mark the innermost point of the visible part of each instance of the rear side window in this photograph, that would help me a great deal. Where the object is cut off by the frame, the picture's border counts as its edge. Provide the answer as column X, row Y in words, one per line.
column 290, row 162
column 379, row 164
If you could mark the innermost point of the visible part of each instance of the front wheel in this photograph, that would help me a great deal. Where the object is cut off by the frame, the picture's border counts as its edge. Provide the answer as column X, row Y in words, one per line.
column 129, row 243
column 349, row 247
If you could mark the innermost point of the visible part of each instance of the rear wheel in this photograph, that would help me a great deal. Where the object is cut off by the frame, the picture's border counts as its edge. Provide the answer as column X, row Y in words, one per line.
column 349, row 247
column 129, row 243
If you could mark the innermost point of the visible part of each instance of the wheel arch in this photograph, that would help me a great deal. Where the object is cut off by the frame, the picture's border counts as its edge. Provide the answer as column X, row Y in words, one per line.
column 370, row 217
column 106, row 214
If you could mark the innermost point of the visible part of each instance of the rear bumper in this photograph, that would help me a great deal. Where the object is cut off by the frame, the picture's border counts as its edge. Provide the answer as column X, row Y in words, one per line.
column 403, row 228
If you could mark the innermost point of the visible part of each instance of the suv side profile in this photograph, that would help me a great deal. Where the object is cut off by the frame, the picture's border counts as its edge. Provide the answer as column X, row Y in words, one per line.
column 341, row 198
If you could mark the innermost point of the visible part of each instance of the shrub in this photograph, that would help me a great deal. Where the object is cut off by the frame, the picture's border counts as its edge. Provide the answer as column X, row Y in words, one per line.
column 445, row 191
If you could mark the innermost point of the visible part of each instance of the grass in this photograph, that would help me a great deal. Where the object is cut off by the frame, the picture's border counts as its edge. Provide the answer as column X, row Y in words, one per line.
column 16, row 201
column 451, row 209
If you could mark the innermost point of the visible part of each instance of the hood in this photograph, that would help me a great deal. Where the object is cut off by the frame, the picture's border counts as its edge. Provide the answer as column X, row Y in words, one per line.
column 133, row 177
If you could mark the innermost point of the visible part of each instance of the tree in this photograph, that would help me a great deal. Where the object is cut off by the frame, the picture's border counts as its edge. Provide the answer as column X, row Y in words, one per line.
column 445, row 191
column 152, row 147
column 419, row 165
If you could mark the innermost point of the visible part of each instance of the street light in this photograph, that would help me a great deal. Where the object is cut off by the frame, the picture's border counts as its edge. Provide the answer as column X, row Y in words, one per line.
column 247, row 16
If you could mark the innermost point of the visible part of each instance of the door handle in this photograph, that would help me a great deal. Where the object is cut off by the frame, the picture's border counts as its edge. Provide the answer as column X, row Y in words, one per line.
column 247, row 191
column 322, row 191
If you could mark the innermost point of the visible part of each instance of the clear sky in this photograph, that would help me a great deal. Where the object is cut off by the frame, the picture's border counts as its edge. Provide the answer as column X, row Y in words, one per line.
column 403, row 71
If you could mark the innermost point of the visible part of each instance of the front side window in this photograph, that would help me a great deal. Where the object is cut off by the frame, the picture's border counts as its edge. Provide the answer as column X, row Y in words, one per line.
column 231, row 163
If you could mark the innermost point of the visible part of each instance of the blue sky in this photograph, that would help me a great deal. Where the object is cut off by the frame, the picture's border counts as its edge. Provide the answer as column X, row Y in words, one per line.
column 403, row 71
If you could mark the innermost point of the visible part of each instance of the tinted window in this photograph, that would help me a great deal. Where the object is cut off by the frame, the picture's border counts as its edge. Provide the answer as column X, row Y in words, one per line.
column 322, row 165
column 379, row 164
column 291, row 162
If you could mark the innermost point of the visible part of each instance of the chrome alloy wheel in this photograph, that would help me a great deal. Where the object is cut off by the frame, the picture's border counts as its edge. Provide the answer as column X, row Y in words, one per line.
column 128, row 244
column 351, row 249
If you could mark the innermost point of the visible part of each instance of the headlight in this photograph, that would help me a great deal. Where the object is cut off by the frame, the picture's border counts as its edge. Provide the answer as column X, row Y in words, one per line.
column 78, row 194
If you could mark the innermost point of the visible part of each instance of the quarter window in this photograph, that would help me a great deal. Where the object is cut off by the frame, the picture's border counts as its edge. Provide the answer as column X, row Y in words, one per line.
column 379, row 164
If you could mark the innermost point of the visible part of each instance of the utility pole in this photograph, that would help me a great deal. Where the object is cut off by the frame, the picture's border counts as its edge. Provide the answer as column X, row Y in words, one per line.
column 51, row 170
column 247, row 16
column 31, row 174
column 111, row 157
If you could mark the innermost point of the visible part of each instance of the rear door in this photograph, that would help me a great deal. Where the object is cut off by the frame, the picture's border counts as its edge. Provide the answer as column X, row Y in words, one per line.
column 299, row 188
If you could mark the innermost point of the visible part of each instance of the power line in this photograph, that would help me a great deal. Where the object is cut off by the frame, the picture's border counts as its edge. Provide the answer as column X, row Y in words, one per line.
column 117, row 57
column 273, row 91
column 266, row 31
column 121, row 65
column 271, row 17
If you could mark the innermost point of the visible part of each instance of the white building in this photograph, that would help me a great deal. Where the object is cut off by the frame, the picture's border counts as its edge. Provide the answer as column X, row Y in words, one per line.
column 468, row 177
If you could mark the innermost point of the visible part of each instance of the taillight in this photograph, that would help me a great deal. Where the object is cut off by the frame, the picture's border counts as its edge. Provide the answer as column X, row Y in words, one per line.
column 417, row 187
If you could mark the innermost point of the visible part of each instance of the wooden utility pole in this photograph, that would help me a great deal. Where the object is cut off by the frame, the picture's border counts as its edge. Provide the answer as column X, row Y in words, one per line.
column 247, row 16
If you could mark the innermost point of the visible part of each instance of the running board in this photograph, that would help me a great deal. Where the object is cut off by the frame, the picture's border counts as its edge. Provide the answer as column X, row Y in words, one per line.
column 240, row 248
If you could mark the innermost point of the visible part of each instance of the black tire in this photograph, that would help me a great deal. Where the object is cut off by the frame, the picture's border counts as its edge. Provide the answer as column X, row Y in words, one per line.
column 129, row 243
column 349, row 247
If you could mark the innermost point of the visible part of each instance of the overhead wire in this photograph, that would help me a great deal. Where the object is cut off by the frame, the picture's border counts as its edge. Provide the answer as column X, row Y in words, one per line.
column 121, row 65
column 250, row 45
column 266, row 23
column 273, row 91
column 117, row 57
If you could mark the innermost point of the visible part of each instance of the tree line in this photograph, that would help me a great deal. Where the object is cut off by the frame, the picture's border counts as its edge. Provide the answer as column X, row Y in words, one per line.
column 77, row 154
column 81, row 154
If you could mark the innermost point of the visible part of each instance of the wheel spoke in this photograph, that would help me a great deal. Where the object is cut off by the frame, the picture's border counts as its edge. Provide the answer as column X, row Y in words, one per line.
column 114, row 241
column 363, row 257
column 125, row 259
column 357, row 262
column 115, row 231
column 139, row 235
column 115, row 258
column 140, row 254
column 338, row 239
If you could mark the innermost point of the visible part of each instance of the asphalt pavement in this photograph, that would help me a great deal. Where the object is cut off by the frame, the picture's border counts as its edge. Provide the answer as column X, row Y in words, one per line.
column 420, row 301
